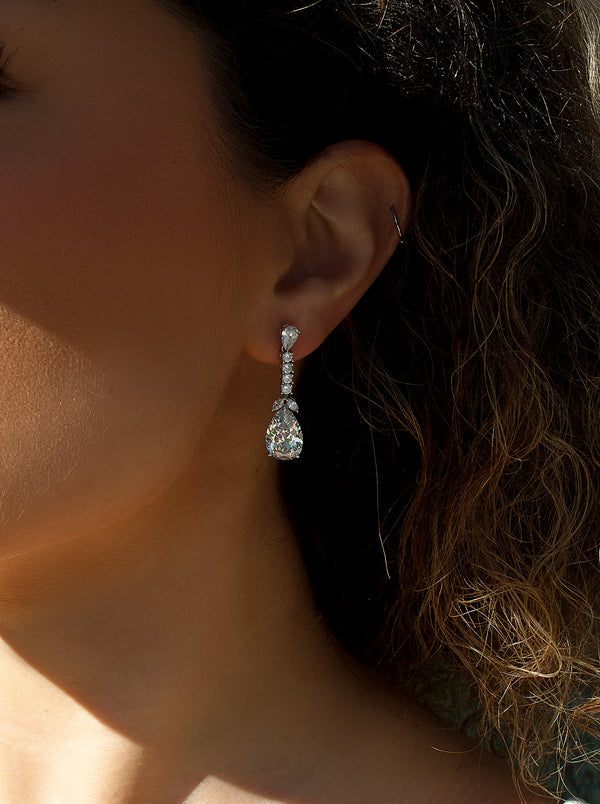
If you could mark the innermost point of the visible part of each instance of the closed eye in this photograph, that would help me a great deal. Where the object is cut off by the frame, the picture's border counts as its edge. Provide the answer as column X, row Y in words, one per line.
column 6, row 86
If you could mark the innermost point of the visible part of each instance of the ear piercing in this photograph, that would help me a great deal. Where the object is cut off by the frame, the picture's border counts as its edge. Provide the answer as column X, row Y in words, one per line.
column 398, row 228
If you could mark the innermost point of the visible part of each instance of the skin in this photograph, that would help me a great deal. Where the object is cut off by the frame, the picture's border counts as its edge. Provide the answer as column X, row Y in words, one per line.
column 159, row 640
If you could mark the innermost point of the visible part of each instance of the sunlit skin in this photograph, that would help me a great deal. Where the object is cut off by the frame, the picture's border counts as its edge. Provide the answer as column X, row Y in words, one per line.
column 160, row 640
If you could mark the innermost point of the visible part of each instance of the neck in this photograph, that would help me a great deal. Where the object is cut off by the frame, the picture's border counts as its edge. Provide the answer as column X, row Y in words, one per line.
column 190, row 630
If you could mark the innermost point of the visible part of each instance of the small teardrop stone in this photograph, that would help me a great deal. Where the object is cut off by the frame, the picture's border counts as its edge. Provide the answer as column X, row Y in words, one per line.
column 289, row 336
column 284, row 436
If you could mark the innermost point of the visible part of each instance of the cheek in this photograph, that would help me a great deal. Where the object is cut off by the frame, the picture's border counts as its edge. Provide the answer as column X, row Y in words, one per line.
column 119, row 297
column 113, row 227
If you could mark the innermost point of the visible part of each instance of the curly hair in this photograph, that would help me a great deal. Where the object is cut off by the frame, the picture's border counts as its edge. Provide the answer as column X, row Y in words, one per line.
column 448, row 498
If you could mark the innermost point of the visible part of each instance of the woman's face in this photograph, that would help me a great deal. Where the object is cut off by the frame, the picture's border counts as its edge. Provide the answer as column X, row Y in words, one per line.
column 127, row 259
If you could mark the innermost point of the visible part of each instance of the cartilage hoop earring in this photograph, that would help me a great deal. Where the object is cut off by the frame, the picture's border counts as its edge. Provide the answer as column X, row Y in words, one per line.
column 284, row 436
column 398, row 227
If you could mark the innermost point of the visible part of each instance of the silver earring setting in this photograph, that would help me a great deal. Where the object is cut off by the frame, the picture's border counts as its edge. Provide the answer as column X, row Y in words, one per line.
column 398, row 227
column 284, row 436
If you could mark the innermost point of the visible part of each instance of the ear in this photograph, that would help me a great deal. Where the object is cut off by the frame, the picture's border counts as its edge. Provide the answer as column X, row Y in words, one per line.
column 343, row 233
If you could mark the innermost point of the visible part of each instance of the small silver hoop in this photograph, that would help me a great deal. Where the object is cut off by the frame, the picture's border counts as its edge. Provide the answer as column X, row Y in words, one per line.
column 398, row 228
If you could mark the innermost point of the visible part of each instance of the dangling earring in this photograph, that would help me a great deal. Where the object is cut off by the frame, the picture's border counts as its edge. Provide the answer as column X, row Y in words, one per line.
column 284, row 436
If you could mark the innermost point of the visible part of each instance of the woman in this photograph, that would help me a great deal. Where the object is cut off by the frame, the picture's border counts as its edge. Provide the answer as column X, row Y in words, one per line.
column 413, row 189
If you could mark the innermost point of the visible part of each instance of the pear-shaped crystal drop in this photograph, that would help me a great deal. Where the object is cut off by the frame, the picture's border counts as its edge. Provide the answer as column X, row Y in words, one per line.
column 284, row 436
column 289, row 336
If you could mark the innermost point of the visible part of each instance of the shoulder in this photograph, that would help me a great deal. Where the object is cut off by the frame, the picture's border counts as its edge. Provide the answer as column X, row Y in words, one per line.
column 413, row 756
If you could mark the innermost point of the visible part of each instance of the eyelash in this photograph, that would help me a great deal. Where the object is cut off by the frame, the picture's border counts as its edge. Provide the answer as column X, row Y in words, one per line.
column 5, row 58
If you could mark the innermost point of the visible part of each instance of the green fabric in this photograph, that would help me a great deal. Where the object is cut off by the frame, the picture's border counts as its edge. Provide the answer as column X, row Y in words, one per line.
column 452, row 701
column 583, row 781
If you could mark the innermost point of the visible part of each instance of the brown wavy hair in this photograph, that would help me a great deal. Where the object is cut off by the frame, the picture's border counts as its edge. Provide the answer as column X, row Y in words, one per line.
column 448, row 497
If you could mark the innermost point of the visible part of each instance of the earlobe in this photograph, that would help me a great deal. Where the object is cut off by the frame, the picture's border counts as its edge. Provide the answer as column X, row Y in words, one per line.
column 347, row 206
